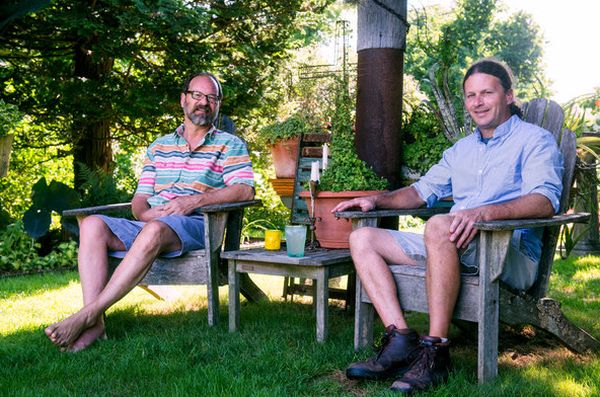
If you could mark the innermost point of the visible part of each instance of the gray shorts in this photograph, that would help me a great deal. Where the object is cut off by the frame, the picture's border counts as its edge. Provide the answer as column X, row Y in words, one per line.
column 189, row 229
column 519, row 272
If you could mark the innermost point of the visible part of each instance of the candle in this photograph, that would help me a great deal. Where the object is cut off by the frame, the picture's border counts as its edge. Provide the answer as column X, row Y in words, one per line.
column 314, row 171
column 325, row 160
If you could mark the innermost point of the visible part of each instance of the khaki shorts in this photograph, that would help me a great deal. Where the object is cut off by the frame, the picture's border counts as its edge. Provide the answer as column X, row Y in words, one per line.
column 520, row 271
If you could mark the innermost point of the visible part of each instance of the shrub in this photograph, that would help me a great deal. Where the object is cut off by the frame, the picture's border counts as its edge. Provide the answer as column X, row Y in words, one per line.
column 19, row 252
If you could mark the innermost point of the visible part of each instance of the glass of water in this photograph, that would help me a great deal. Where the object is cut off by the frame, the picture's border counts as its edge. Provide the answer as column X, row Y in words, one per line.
column 295, row 238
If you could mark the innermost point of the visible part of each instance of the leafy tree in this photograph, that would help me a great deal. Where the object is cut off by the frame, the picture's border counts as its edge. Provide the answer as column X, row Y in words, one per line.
column 472, row 30
column 441, row 45
column 90, row 72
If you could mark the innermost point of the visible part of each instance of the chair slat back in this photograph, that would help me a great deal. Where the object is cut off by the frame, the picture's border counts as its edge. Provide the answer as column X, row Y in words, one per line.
column 549, row 115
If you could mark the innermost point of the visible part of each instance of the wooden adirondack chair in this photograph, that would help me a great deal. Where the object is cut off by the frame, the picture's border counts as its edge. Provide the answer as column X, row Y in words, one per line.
column 222, row 231
column 481, row 299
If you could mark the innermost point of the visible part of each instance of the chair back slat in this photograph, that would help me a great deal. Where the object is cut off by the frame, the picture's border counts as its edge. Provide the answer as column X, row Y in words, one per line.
column 545, row 113
column 549, row 115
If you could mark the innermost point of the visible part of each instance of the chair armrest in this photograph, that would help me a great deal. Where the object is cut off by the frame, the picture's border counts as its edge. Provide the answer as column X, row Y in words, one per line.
column 425, row 212
column 101, row 209
column 226, row 207
column 512, row 224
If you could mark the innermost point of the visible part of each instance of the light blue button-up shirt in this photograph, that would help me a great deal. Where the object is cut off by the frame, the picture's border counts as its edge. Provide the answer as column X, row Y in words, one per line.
column 520, row 159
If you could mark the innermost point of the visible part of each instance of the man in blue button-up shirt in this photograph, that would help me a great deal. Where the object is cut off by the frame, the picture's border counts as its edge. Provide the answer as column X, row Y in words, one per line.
column 506, row 169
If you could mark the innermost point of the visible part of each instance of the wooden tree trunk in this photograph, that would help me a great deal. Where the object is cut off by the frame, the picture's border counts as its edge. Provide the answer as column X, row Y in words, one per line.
column 91, row 134
column 381, row 43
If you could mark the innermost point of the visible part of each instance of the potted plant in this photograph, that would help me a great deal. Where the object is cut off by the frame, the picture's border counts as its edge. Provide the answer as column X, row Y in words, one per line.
column 9, row 119
column 346, row 177
column 283, row 139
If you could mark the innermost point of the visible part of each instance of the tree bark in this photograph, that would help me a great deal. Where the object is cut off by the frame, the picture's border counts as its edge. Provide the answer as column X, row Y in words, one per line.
column 91, row 134
column 381, row 42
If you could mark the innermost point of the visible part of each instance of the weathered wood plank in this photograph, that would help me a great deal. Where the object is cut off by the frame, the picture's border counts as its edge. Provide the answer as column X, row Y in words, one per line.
column 226, row 207
column 412, row 292
column 322, row 298
column 234, row 297
column 424, row 212
column 493, row 247
column 527, row 223
column 316, row 138
column 319, row 257
column 100, row 209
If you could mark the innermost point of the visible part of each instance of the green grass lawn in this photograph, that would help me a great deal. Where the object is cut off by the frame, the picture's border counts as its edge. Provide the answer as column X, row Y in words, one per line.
column 165, row 348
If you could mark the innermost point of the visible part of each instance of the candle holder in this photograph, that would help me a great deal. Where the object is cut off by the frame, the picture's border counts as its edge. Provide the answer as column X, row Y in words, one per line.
column 312, row 219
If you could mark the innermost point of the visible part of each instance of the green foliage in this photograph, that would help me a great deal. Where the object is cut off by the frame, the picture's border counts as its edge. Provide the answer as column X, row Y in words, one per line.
column 19, row 252
column 272, row 214
column 451, row 41
column 45, row 199
column 10, row 117
column 582, row 113
column 291, row 127
column 346, row 172
column 424, row 141
column 88, row 71
column 518, row 41
column 100, row 188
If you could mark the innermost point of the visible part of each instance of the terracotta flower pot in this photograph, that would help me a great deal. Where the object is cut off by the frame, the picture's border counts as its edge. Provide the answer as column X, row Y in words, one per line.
column 285, row 157
column 329, row 231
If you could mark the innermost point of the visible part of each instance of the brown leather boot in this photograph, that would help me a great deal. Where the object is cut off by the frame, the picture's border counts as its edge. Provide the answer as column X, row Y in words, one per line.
column 399, row 347
column 431, row 367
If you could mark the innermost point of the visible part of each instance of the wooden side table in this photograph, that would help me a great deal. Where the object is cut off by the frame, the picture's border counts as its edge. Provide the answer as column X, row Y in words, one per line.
column 319, row 265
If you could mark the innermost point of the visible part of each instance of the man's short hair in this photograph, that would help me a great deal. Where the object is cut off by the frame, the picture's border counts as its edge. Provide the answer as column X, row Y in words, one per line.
column 186, row 83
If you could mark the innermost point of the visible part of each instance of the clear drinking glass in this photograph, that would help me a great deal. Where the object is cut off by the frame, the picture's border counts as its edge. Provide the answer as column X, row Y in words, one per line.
column 295, row 238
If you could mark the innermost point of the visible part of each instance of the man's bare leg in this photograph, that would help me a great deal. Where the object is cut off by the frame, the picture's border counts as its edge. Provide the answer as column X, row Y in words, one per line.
column 442, row 276
column 95, row 240
column 372, row 250
column 154, row 238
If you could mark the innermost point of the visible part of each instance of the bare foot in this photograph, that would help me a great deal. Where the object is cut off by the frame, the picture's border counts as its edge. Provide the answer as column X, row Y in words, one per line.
column 88, row 337
column 65, row 332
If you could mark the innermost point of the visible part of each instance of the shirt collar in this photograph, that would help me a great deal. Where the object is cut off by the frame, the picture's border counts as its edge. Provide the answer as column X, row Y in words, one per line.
column 179, row 132
column 502, row 130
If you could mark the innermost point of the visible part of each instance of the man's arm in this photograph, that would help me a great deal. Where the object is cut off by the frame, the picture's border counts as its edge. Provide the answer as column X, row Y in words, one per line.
column 185, row 205
column 142, row 211
column 406, row 197
column 532, row 205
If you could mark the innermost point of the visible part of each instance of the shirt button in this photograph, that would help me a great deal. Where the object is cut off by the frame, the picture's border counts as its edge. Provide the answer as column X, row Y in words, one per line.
column 480, row 171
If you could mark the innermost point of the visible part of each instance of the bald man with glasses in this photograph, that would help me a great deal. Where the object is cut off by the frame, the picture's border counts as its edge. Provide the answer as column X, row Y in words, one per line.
column 194, row 166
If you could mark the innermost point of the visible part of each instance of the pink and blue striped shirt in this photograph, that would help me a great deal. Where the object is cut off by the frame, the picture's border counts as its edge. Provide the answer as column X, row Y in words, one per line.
column 172, row 170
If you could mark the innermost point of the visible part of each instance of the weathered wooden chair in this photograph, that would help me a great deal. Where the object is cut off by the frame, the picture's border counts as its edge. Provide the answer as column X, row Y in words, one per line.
column 481, row 299
column 222, row 231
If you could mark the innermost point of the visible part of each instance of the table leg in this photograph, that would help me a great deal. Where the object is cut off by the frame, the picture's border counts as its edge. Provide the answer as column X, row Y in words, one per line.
column 234, row 296
column 322, row 289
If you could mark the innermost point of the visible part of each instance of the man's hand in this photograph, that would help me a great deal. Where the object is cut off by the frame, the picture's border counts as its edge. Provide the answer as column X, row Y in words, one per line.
column 462, row 231
column 182, row 205
column 364, row 203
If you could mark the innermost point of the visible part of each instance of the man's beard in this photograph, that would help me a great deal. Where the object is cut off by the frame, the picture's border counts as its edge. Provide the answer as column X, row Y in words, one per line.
column 201, row 119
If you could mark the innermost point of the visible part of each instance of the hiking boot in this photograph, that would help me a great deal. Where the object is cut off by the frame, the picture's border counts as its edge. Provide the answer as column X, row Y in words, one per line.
column 431, row 367
column 397, row 350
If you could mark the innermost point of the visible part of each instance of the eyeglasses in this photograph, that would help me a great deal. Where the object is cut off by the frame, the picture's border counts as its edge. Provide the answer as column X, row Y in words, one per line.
column 197, row 95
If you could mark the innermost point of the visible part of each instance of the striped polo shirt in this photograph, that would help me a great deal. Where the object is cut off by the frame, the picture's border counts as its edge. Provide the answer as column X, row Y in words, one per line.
column 172, row 170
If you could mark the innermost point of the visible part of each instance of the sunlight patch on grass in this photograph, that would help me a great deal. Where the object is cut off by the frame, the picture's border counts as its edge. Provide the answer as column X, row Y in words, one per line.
column 568, row 387
column 558, row 356
column 589, row 274
column 588, row 260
